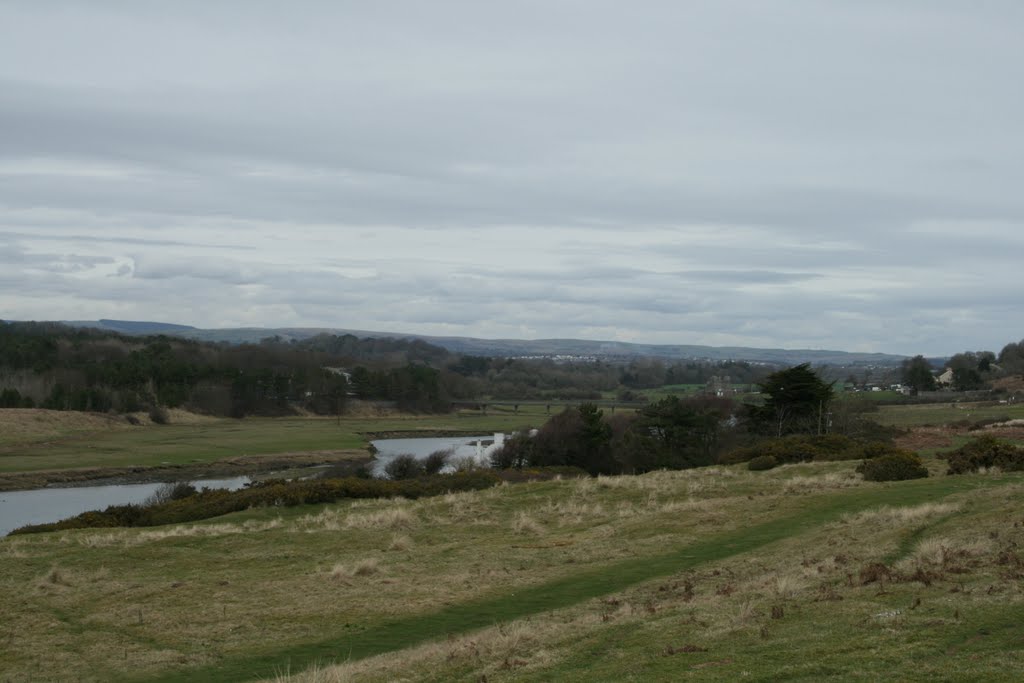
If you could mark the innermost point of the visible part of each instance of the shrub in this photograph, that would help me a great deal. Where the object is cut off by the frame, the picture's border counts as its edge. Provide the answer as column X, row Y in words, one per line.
column 876, row 449
column 787, row 449
column 762, row 462
column 803, row 448
column 435, row 462
column 159, row 415
column 893, row 467
column 175, row 490
column 986, row 451
column 404, row 466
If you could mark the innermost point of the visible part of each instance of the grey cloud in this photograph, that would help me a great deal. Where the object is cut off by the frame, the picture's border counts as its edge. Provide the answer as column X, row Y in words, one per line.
column 802, row 173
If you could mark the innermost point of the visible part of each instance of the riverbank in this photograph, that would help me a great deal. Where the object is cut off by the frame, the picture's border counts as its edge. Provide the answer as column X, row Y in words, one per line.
column 350, row 458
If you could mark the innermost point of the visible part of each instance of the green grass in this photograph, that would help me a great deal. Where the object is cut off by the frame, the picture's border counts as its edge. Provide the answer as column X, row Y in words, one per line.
column 562, row 580
column 944, row 413
column 576, row 588
column 180, row 444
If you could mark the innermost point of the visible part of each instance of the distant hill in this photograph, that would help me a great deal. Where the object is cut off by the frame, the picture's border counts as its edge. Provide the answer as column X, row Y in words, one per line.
column 606, row 350
column 135, row 327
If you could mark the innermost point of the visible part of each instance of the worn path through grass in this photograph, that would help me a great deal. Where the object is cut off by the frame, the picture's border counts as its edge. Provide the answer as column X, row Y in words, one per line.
column 356, row 644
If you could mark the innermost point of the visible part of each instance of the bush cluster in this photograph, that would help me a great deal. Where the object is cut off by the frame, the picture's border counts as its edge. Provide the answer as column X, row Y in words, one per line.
column 803, row 448
column 893, row 466
column 408, row 466
column 768, row 453
column 215, row 502
column 986, row 451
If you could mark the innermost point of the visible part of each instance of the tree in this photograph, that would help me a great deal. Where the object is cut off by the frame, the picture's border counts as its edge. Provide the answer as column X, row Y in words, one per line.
column 797, row 403
column 596, row 437
column 576, row 437
column 516, row 453
column 683, row 433
column 967, row 379
column 1011, row 358
column 916, row 373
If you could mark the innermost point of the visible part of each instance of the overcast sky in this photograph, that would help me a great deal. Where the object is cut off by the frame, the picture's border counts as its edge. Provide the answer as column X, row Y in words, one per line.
column 796, row 173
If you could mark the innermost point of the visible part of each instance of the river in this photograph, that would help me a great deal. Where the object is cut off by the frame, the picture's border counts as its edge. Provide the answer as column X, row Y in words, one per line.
column 41, row 506
column 460, row 446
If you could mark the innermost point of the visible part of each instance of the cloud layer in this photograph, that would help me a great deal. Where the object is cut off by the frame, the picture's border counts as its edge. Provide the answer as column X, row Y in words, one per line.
column 798, row 174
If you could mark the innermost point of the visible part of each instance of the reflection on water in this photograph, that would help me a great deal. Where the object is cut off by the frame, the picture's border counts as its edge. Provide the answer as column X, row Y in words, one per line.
column 461, row 447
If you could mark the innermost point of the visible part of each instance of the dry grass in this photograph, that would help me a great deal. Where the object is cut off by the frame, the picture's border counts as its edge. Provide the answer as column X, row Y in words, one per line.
column 822, row 482
column 138, row 537
column 25, row 425
column 570, row 512
column 785, row 586
column 942, row 551
column 400, row 543
column 525, row 524
column 502, row 651
column 395, row 518
column 391, row 514
column 727, row 607
column 368, row 566
column 901, row 516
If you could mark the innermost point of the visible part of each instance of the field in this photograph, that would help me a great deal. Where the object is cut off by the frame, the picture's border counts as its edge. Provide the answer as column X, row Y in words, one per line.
column 47, row 440
column 804, row 572
column 946, row 413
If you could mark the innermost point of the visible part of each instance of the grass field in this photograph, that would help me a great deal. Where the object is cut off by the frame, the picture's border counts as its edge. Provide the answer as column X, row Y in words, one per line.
column 945, row 413
column 804, row 573
column 46, row 440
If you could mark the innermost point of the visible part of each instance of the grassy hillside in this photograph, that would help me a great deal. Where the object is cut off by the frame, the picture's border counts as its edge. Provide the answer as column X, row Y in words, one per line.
column 804, row 572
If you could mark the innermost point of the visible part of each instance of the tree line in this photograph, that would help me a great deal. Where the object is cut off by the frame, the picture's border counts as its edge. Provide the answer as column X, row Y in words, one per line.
column 797, row 418
column 970, row 370
column 54, row 366
column 63, row 368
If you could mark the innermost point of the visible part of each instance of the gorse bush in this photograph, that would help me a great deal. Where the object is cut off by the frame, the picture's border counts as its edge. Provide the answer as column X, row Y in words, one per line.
column 762, row 462
column 986, row 451
column 894, row 466
column 802, row 448
column 791, row 449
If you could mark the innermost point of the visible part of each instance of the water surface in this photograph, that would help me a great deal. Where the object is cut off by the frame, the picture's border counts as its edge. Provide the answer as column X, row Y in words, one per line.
column 42, row 506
